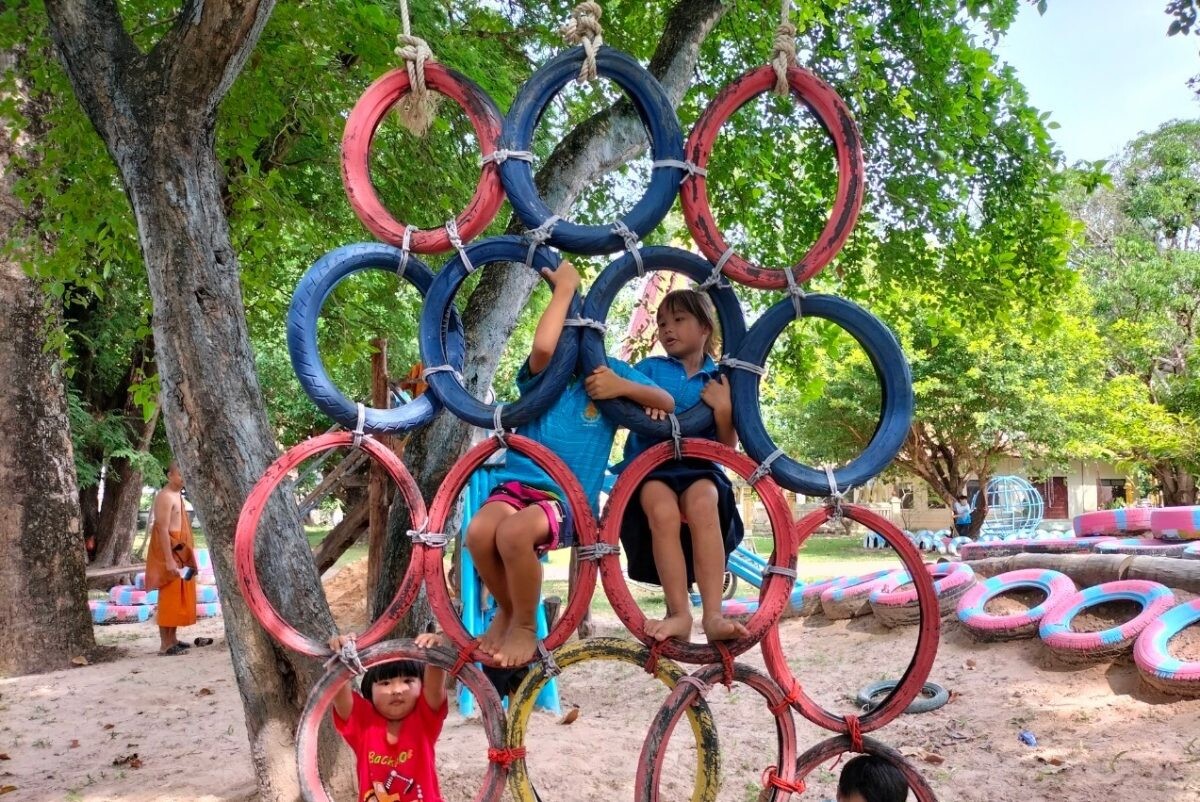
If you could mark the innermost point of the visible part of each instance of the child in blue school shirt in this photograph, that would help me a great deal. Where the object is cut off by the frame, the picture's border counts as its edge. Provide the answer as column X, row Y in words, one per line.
column 526, row 513
column 685, row 522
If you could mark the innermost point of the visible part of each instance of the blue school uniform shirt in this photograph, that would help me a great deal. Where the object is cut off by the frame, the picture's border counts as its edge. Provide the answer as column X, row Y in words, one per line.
column 669, row 374
column 572, row 428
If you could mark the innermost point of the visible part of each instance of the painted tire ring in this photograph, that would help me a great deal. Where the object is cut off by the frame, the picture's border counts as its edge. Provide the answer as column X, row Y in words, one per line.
column 208, row 610
column 310, row 295
column 106, row 613
column 908, row 615
column 1112, row 522
column 126, row 595
column 840, row 744
column 744, row 608
column 1055, row 629
column 833, row 115
column 946, row 577
column 247, row 532
column 1144, row 545
column 776, row 587
column 681, row 700
column 1154, row 661
column 545, row 388
column 971, row 613
column 1072, row 545
column 1176, row 523
column 933, row 696
column 429, row 557
column 849, row 597
column 708, row 753
column 658, row 116
column 891, row 368
column 369, row 112
column 697, row 419
column 992, row 548
column 321, row 697
column 928, row 633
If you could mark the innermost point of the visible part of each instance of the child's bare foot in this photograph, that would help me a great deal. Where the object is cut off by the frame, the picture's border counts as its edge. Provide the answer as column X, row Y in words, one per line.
column 718, row 627
column 517, row 647
column 490, row 641
column 673, row 626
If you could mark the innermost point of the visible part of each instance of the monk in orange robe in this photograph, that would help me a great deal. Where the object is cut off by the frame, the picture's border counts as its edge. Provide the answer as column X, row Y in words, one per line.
column 171, row 564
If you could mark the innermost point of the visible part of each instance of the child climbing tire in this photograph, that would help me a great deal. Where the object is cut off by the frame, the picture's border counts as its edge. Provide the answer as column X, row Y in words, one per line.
column 986, row 626
column 849, row 597
column 1154, row 661
column 1083, row 647
column 651, row 103
column 894, row 602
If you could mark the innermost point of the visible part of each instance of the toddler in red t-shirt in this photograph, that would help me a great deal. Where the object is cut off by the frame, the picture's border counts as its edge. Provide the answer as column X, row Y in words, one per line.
column 393, row 726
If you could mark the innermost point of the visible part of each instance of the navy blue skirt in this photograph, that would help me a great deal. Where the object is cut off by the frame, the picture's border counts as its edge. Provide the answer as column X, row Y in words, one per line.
column 679, row 476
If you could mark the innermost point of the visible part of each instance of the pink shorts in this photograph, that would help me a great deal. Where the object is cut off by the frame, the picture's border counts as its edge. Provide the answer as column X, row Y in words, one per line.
column 520, row 496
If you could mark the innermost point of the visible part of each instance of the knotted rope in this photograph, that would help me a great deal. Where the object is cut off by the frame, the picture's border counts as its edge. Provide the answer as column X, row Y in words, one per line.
column 584, row 29
column 783, row 49
column 416, row 109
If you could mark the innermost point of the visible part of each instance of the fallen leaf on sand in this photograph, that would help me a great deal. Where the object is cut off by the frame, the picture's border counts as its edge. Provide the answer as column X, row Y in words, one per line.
column 7, row 789
column 570, row 716
column 1053, row 761
column 80, row 661
column 204, row 692
column 131, row 760
column 4, row 756
column 970, row 664
column 108, row 726
column 74, row 743
column 932, row 757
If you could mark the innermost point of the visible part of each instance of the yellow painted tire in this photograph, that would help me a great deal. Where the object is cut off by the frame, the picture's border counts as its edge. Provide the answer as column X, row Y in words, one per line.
column 520, row 708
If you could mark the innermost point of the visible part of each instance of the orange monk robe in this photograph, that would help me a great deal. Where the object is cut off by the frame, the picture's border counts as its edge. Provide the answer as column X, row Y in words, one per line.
column 176, row 598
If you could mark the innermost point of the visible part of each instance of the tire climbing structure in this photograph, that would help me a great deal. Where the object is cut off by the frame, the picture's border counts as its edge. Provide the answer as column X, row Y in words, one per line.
column 677, row 171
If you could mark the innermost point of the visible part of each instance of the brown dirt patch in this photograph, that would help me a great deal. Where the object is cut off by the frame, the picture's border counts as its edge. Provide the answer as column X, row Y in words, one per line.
column 347, row 601
column 1186, row 645
column 1106, row 616
column 1015, row 602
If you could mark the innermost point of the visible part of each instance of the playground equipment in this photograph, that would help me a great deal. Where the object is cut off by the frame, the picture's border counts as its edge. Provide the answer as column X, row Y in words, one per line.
column 1014, row 507
column 507, row 172
column 985, row 626
column 1055, row 630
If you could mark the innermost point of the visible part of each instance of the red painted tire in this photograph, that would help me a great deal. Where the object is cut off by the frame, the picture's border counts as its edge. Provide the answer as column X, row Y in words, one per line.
column 371, row 109
column 680, row 701
column 442, row 508
column 1125, row 521
column 776, row 588
column 321, row 697
column 247, row 532
column 1057, row 587
column 832, row 747
column 834, row 117
column 915, row 675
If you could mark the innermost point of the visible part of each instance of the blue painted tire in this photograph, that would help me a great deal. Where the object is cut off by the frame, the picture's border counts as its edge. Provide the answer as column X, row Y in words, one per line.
column 1055, row 629
column 1153, row 658
column 895, row 381
column 986, row 626
column 439, row 301
column 666, row 142
column 307, row 300
column 600, row 297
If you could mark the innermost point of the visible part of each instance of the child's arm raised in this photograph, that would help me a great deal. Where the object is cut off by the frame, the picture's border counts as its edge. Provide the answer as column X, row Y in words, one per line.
column 716, row 395
column 606, row 383
column 565, row 281
column 343, row 700
column 433, row 684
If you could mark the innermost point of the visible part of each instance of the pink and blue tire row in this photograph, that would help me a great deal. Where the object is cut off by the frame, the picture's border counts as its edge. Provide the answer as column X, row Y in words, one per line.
column 107, row 613
column 131, row 595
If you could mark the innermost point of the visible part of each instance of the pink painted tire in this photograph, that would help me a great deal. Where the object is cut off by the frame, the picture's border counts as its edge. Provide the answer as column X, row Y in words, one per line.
column 1176, row 523
column 776, row 586
column 985, row 626
column 1149, row 546
column 127, row 594
column 1124, row 521
column 208, row 609
column 371, row 109
column 810, row 598
column 442, row 507
column 993, row 548
column 247, row 532
column 312, row 789
column 894, row 602
column 849, row 597
column 1153, row 658
column 1070, row 545
column 1055, row 629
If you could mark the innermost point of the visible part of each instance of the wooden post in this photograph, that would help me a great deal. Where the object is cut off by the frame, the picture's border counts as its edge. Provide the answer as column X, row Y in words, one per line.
column 377, row 484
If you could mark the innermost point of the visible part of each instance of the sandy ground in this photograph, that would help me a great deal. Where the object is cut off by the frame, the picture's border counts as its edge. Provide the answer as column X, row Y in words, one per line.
column 142, row 727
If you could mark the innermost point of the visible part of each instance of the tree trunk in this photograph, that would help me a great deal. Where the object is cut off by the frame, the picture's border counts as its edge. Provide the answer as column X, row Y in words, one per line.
column 89, row 512
column 122, row 501
column 43, row 594
column 597, row 146
column 1177, row 482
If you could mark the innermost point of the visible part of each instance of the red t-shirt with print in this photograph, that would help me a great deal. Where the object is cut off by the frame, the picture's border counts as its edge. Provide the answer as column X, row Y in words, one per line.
column 399, row 772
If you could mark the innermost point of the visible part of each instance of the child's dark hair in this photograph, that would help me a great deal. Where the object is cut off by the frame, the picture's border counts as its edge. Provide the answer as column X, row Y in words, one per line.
column 386, row 671
column 698, row 305
column 875, row 779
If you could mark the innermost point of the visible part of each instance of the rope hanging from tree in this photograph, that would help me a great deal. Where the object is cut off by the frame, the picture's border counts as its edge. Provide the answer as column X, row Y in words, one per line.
column 416, row 110
column 783, row 50
column 584, row 29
